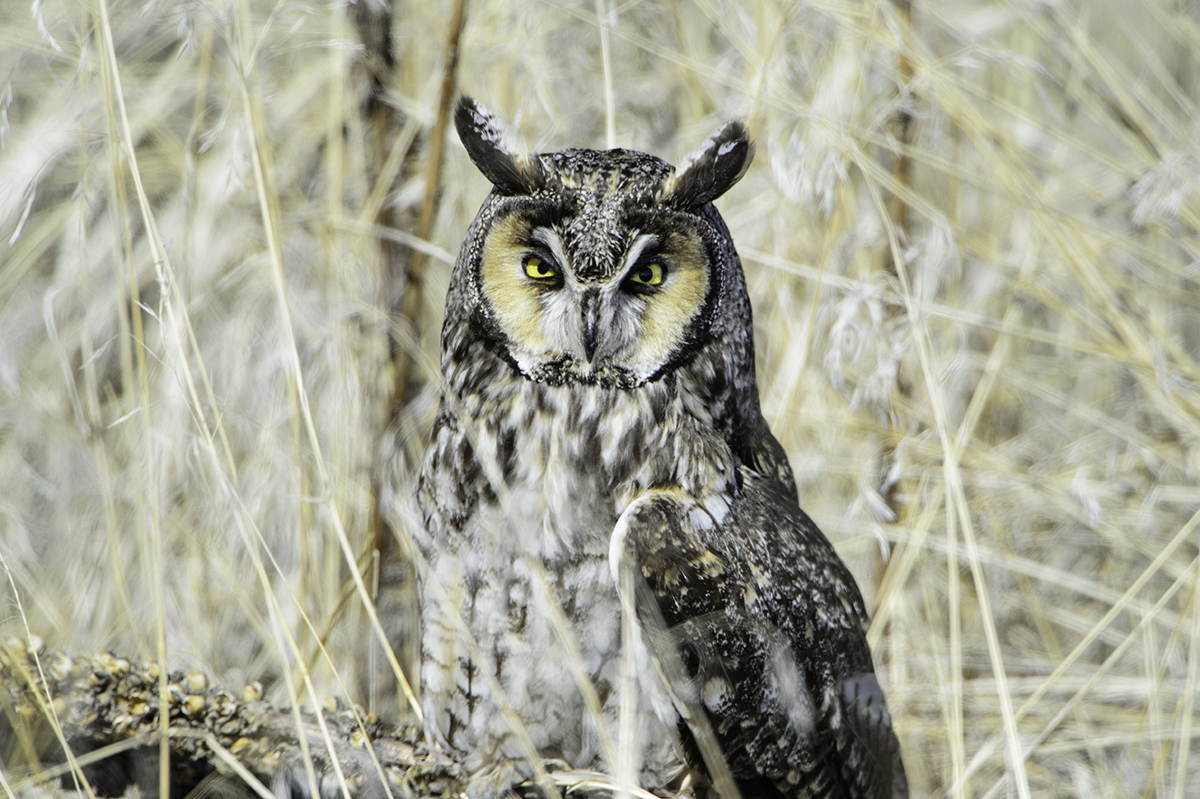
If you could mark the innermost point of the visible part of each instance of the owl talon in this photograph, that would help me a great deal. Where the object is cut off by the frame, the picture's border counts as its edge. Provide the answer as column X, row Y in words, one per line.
column 498, row 781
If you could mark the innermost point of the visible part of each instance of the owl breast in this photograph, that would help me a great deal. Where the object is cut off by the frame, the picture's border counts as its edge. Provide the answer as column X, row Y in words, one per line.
column 520, row 492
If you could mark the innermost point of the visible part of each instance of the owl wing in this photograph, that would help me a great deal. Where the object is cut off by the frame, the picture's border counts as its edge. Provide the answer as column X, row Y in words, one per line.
column 756, row 632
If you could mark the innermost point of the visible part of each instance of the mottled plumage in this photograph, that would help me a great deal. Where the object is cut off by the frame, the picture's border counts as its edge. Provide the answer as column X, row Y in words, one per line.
column 600, row 450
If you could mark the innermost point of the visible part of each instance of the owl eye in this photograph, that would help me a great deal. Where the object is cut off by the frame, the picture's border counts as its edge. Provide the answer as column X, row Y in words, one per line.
column 647, row 275
column 538, row 269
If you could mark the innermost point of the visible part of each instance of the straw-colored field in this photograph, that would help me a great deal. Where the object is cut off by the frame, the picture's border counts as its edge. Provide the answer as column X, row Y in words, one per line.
column 972, row 236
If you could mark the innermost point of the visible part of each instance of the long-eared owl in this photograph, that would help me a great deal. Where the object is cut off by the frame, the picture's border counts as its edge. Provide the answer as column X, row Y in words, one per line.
column 599, row 464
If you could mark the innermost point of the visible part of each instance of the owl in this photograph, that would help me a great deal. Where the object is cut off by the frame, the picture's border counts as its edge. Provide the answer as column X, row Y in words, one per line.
column 617, row 573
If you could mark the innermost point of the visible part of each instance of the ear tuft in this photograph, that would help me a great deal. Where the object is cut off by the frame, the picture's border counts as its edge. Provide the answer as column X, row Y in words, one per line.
column 710, row 171
column 486, row 140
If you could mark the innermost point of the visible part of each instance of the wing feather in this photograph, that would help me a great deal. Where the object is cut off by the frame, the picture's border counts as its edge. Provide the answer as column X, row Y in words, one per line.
column 756, row 629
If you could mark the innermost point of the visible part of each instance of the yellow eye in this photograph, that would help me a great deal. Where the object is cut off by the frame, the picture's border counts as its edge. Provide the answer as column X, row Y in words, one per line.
column 648, row 275
column 538, row 269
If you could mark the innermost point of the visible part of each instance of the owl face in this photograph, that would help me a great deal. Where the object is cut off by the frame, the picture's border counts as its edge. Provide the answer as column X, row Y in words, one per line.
column 596, row 267
column 571, row 307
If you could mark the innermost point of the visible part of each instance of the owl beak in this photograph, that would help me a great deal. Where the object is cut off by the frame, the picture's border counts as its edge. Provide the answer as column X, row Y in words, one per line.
column 591, row 314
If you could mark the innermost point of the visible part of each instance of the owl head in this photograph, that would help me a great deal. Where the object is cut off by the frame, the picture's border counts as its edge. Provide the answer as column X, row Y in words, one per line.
column 609, row 268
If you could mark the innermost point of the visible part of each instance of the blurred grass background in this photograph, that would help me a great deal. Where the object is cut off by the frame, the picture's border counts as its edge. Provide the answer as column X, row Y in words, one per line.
column 972, row 236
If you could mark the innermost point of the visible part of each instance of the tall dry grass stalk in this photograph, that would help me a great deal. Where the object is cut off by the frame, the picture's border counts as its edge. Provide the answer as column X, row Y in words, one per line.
column 972, row 235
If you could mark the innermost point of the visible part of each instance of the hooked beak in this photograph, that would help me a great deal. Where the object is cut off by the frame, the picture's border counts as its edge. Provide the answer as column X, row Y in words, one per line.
column 591, row 313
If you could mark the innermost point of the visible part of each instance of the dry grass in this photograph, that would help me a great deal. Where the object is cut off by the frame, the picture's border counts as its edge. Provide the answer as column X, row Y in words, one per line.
column 973, row 240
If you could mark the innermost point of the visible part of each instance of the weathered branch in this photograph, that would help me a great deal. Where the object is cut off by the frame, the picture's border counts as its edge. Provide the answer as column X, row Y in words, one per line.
column 410, row 307
column 108, row 706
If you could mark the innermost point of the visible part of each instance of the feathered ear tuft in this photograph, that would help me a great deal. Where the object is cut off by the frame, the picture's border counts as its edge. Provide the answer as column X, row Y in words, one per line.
column 486, row 141
column 710, row 171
